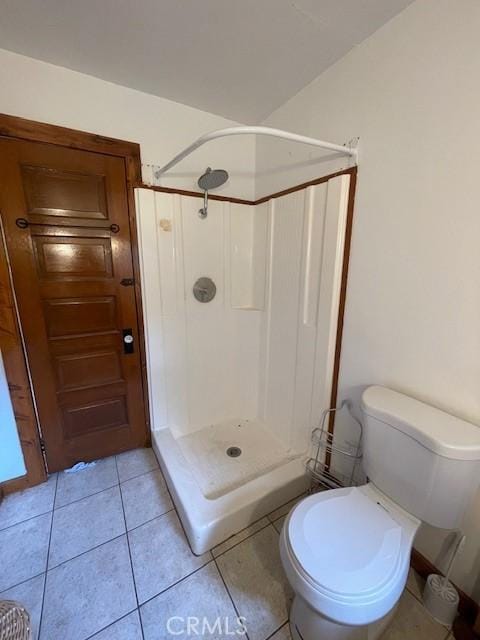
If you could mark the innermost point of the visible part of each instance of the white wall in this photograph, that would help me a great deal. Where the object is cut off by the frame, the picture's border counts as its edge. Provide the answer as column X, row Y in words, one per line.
column 12, row 464
column 47, row 93
column 411, row 93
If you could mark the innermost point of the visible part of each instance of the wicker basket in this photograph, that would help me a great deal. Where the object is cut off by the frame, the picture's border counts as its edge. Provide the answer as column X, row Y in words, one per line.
column 14, row 621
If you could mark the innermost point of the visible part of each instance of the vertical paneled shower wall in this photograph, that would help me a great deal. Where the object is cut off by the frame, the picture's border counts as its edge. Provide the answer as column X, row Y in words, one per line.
column 264, row 346
column 306, row 242
column 203, row 358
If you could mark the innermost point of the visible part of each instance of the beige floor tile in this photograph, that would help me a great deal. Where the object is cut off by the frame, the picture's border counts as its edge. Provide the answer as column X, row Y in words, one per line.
column 30, row 594
column 202, row 597
column 22, row 505
column 238, row 537
column 80, row 484
column 285, row 509
column 161, row 555
column 88, row 593
column 85, row 524
column 133, row 463
column 255, row 579
column 412, row 622
column 278, row 524
column 144, row 498
column 23, row 550
column 415, row 584
column 283, row 633
column 128, row 628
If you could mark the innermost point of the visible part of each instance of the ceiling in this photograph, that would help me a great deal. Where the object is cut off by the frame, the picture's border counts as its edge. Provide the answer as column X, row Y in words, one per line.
column 237, row 58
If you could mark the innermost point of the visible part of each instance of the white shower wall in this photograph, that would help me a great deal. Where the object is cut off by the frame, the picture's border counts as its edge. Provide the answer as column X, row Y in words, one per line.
column 203, row 358
column 306, row 242
column 262, row 349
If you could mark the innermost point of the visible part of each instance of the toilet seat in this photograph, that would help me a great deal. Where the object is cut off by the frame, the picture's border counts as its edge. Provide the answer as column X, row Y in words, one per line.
column 347, row 552
column 345, row 542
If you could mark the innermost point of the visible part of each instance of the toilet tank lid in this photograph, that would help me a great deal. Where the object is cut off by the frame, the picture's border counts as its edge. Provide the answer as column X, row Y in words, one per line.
column 436, row 430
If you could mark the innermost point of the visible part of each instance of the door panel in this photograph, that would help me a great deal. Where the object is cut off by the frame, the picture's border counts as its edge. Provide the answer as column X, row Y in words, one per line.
column 82, row 258
column 68, row 261
column 51, row 192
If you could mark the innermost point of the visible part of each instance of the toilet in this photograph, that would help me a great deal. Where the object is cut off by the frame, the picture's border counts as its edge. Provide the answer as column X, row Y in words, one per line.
column 346, row 552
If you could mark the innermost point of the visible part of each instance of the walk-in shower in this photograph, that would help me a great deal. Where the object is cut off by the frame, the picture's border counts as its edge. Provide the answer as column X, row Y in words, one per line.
column 240, row 371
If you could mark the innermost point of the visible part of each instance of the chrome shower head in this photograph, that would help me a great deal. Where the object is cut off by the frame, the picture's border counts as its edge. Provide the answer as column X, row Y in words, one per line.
column 211, row 179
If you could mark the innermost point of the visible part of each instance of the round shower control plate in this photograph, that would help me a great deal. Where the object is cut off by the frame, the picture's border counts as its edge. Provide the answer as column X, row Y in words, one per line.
column 204, row 289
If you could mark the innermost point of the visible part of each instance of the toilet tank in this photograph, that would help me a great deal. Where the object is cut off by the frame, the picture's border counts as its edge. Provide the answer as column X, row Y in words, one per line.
column 424, row 459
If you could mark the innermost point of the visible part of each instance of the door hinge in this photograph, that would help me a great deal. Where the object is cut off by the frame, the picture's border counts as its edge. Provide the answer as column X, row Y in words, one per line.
column 42, row 446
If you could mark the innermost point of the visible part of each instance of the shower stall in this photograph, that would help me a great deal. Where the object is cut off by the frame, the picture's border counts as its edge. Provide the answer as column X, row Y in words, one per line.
column 241, row 311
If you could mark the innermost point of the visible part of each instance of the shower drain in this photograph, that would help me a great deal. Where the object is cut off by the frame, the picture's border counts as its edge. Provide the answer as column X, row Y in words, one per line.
column 234, row 452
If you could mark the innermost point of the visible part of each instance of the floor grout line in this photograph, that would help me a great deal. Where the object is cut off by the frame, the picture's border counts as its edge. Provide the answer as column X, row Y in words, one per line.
column 100, row 544
column 414, row 595
column 89, row 495
column 19, row 584
column 157, row 468
column 130, row 555
column 44, row 513
column 297, row 498
column 270, row 524
column 17, row 494
column 137, row 526
column 144, row 473
column 278, row 629
column 115, row 622
column 230, row 596
column 46, row 565
column 67, row 504
column 79, row 555
column 117, row 483
column 116, row 468
column 177, row 582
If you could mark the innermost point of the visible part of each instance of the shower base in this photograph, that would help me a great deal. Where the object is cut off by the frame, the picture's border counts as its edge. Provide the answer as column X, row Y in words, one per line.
column 218, row 495
column 215, row 471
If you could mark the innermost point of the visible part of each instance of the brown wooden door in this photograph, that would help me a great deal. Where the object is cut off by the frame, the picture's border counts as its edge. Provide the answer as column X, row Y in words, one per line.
column 68, row 265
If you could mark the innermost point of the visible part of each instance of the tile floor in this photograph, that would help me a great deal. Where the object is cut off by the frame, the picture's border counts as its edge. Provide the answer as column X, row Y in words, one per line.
column 101, row 554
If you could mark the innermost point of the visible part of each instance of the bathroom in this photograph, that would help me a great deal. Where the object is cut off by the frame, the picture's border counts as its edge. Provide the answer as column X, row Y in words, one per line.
column 395, row 84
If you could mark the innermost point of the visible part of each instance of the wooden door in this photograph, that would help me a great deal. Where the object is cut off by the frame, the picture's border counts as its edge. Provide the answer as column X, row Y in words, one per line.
column 65, row 214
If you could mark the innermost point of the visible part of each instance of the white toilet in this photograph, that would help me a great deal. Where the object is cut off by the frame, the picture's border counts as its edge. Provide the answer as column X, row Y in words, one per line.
column 346, row 552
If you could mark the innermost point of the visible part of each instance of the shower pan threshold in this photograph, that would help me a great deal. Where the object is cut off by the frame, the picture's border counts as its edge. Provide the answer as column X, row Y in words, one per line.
column 210, row 519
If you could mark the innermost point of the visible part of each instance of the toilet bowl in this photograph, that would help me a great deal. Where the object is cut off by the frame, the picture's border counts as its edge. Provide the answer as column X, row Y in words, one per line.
column 346, row 552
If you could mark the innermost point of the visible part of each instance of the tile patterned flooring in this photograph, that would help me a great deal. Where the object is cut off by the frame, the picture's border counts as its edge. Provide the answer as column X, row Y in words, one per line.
column 101, row 554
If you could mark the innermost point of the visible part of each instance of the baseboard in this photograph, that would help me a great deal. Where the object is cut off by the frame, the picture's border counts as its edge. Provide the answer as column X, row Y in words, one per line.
column 463, row 631
column 467, row 607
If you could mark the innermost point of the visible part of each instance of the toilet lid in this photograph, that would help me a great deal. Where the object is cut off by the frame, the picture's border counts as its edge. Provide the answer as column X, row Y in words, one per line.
column 346, row 542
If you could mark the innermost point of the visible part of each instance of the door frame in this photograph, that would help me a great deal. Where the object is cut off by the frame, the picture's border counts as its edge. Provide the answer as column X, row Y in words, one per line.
column 14, row 127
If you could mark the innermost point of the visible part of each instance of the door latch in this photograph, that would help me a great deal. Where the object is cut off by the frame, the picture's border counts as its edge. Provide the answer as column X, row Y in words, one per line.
column 127, row 341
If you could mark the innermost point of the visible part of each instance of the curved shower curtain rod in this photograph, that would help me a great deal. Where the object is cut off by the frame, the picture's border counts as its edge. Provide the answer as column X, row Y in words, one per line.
column 256, row 130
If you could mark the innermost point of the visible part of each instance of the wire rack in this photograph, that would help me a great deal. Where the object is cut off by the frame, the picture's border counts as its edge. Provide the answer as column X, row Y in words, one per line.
column 14, row 621
column 323, row 467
